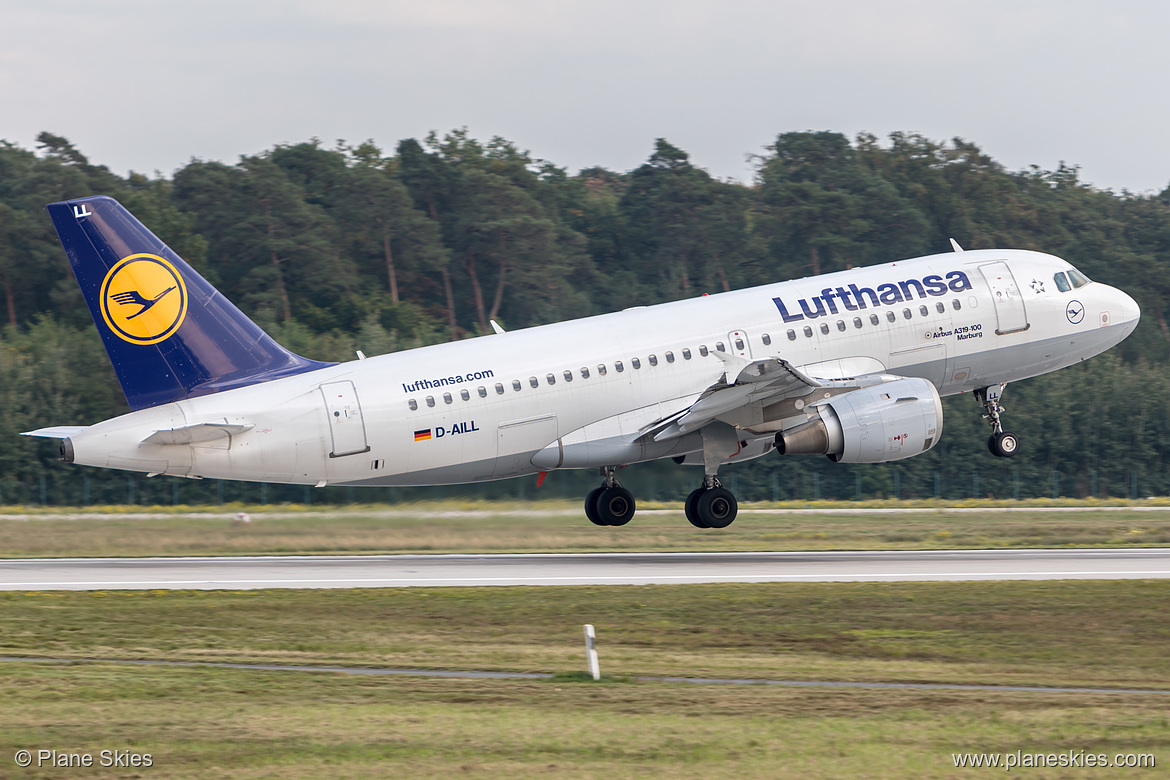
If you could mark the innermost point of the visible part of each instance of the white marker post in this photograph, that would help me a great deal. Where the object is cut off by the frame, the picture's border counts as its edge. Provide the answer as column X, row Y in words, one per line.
column 591, row 651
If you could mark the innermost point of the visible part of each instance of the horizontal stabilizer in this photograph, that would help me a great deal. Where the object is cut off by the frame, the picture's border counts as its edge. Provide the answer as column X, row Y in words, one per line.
column 198, row 433
column 56, row 432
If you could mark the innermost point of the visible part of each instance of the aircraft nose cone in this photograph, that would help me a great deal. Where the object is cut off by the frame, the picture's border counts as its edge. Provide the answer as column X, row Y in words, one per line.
column 1130, row 311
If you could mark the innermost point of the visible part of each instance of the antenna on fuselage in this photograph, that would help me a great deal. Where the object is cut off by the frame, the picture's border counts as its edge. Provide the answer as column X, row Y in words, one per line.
column 955, row 245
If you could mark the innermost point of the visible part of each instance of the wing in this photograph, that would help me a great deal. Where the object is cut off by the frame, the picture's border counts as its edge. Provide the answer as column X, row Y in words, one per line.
column 756, row 383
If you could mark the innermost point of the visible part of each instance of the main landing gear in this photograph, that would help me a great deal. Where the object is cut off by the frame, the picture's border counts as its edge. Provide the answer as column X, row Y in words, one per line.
column 610, row 504
column 711, row 506
column 1002, row 444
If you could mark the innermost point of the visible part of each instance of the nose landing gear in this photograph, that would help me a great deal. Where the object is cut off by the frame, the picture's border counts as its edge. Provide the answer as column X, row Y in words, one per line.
column 1001, row 444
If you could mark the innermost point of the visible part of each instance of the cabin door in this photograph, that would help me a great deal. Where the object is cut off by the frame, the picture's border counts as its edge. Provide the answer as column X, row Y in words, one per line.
column 1009, row 304
column 346, row 427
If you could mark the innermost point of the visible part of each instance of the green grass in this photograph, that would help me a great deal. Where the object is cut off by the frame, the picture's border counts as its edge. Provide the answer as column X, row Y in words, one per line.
column 213, row 722
column 1101, row 633
column 199, row 723
column 558, row 527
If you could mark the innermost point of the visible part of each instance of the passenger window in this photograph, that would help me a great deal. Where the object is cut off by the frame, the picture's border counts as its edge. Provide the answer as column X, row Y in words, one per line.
column 703, row 350
column 618, row 367
column 483, row 392
column 923, row 310
column 430, row 400
column 447, row 398
column 791, row 335
column 635, row 362
column 500, row 388
column 857, row 322
column 1077, row 278
column 825, row 328
column 1061, row 282
column 766, row 339
column 584, row 372
column 413, row 405
column 466, row 396
column 873, row 319
column 807, row 331
column 533, row 381
column 841, row 325
column 940, row 307
column 739, row 344
column 686, row 354
column 956, row 305
column 719, row 347
column 601, row 369
column 669, row 357
column 568, row 376
column 653, row 360
column 516, row 385
column 891, row 316
column 907, row 313
column 550, row 378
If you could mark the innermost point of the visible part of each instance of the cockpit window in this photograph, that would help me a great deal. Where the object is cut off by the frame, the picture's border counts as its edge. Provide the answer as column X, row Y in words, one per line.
column 1077, row 278
column 1061, row 282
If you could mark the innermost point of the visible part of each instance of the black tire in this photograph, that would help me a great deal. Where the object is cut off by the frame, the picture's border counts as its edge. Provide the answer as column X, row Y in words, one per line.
column 591, row 505
column 615, row 506
column 1004, row 444
column 717, row 507
column 689, row 508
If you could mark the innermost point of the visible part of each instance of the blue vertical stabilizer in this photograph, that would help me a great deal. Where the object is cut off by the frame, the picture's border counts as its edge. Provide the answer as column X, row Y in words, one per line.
column 169, row 334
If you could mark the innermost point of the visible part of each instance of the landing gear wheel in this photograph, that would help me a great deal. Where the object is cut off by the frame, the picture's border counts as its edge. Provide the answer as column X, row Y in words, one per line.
column 615, row 506
column 689, row 508
column 591, row 505
column 716, row 507
column 1003, row 444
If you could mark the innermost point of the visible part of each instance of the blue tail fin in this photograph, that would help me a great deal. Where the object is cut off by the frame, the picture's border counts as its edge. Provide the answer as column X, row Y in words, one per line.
column 168, row 332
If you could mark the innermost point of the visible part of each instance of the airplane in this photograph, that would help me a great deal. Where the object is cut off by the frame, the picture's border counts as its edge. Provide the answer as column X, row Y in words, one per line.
column 849, row 364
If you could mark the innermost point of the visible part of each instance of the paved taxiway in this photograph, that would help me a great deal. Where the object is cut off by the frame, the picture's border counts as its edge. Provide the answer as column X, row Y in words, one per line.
column 384, row 571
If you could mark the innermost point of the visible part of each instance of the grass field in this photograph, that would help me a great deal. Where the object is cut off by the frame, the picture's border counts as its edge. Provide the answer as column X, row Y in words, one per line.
column 201, row 722
column 561, row 527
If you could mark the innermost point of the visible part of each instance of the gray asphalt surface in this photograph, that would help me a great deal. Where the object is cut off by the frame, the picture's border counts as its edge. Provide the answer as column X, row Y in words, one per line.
column 382, row 571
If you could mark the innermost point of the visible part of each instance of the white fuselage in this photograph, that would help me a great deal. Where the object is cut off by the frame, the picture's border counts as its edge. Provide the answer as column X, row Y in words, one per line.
column 484, row 408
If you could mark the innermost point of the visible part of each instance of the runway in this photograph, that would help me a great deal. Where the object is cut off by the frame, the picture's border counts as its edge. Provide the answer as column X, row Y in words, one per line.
column 396, row 571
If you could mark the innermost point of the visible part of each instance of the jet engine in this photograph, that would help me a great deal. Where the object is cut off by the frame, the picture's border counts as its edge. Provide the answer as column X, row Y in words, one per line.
column 885, row 422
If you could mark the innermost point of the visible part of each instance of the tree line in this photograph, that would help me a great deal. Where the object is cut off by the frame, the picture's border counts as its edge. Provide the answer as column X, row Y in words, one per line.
column 336, row 249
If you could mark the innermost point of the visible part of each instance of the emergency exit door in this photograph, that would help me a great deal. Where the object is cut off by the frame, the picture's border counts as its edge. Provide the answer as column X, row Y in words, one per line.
column 346, row 428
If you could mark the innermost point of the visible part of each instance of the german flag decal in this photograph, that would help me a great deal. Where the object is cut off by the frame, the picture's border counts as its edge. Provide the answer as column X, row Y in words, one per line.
column 422, row 435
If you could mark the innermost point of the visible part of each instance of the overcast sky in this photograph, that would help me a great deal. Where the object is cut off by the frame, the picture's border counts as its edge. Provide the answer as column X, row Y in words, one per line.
column 146, row 85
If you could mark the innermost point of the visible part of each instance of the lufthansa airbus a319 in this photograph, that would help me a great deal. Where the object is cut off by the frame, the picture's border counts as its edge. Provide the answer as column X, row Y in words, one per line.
column 849, row 364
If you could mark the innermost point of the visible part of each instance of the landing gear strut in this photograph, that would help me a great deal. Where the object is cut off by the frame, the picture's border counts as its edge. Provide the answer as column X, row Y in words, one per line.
column 711, row 506
column 610, row 504
column 1002, row 444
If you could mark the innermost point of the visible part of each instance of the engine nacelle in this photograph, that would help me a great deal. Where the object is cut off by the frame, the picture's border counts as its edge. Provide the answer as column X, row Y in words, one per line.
column 876, row 424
